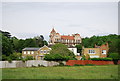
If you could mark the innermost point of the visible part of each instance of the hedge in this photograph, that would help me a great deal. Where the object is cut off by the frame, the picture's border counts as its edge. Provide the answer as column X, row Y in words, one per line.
column 102, row 59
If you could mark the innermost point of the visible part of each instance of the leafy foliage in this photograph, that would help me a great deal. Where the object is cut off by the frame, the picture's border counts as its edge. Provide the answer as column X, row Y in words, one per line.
column 102, row 59
column 60, row 52
column 112, row 40
column 11, row 45
column 56, row 57
column 79, row 48
column 114, row 56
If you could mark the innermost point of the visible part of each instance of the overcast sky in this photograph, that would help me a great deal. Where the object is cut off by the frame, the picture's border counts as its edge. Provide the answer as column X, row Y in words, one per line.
column 29, row 19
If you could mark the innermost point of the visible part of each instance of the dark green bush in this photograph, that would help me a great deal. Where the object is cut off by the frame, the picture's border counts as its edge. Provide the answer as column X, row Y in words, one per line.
column 114, row 56
column 29, row 58
column 56, row 57
column 78, row 65
column 102, row 59
column 9, row 59
column 89, row 64
column 61, row 64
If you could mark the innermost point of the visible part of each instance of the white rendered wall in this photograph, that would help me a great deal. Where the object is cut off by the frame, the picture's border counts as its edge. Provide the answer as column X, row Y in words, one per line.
column 74, row 50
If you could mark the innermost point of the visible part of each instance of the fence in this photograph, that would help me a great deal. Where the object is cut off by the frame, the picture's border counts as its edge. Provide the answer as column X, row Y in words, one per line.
column 30, row 63
column 84, row 62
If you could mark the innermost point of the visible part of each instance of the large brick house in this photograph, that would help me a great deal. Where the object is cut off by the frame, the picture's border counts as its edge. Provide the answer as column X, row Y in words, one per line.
column 37, row 53
column 64, row 39
column 97, row 52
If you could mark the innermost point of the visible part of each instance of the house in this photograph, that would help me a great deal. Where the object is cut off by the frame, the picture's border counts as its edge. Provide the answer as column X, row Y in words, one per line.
column 64, row 39
column 37, row 53
column 74, row 50
column 97, row 51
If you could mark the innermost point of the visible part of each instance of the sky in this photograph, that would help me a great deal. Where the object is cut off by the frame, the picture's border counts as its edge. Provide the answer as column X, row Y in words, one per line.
column 29, row 19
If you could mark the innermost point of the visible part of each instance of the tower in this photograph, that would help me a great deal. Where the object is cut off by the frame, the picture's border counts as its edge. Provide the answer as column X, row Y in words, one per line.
column 52, row 36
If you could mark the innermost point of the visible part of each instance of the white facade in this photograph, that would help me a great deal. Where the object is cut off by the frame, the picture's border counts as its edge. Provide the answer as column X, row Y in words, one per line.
column 74, row 50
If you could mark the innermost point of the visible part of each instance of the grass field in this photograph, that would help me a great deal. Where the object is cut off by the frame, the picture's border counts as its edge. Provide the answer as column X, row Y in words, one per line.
column 73, row 72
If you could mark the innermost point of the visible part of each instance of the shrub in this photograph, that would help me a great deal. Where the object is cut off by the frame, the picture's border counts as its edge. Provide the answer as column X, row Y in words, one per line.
column 61, row 64
column 102, row 59
column 114, row 56
column 9, row 59
column 56, row 57
column 40, row 65
column 4, row 57
column 23, row 60
column 90, row 64
column 78, row 65
column 83, row 57
column 33, row 66
column 29, row 58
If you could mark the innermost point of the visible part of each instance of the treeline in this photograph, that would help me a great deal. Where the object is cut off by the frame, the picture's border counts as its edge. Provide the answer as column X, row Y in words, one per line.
column 11, row 45
column 112, row 39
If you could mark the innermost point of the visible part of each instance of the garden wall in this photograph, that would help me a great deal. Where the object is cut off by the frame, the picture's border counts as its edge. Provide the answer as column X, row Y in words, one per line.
column 30, row 63
column 84, row 62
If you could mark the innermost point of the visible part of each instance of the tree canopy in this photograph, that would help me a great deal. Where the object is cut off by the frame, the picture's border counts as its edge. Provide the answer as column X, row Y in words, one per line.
column 112, row 40
column 60, row 52
column 11, row 45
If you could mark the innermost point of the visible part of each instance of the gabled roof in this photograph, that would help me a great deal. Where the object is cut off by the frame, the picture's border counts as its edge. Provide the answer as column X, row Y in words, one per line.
column 53, row 31
column 67, row 37
column 31, row 49
column 45, row 46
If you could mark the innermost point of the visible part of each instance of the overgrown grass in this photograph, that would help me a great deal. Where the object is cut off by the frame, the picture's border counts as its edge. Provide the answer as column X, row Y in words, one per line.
column 73, row 72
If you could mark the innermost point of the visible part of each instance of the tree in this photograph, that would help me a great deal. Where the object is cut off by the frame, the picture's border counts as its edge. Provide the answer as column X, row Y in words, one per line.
column 39, row 40
column 7, row 47
column 79, row 48
column 60, row 52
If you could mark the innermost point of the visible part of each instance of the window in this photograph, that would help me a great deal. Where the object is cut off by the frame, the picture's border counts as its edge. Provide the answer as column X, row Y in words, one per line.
column 24, row 52
column 32, row 52
column 41, row 51
column 28, row 52
column 103, row 51
column 91, row 51
column 44, row 51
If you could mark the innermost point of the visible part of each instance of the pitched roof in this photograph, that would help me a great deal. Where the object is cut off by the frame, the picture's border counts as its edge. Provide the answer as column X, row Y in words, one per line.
column 52, row 30
column 31, row 49
column 67, row 37
column 77, row 34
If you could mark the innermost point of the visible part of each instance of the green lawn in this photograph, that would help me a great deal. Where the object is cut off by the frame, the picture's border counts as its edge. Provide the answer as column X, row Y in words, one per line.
column 73, row 72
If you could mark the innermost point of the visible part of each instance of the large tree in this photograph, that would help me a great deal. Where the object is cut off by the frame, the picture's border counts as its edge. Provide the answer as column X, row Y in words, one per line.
column 60, row 52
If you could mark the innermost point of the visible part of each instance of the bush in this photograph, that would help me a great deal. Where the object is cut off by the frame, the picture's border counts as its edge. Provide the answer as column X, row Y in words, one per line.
column 33, row 66
column 90, row 64
column 24, row 60
column 78, row 65
column 102, row 59
column 61, row 64
column 56, row 57
column 29, row 58
column 9, row 59
column 4, row 57
column 83, row 57
column 114, row 56
column 40, row 65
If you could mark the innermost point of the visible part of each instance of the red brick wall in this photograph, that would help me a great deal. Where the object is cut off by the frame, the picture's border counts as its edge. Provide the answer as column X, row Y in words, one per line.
column 83, row 62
